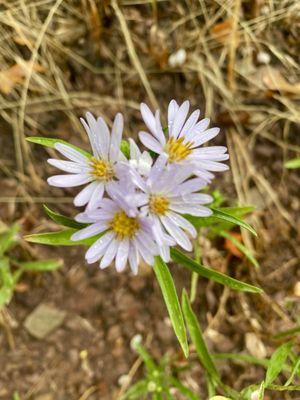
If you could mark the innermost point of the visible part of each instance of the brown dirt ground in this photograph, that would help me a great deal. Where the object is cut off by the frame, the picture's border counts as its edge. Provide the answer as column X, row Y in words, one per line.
column 87, row 355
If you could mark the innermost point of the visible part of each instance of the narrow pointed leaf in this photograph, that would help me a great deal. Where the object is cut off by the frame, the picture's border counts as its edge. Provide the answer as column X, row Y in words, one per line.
column 189, row 395
column 243, row 249
column 136, row 391
column 276, row 362
column 210, row 273
column 50, row 142
column 61, row 238
column 63, row 220
column 8, row 238
column 220, row 214
column 197, row 338
column 44, row 265
column 168, row 289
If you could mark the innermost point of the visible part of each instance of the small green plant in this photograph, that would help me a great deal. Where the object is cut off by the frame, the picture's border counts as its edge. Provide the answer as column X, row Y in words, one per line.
column 162, row 380
column 11, row 268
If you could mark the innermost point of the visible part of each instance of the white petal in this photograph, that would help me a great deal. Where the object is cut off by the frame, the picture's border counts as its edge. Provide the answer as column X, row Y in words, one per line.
column 203, row 174
column 198, row 211
column 211, row 157
column 135, row 152
column 85, row 194
column 71, row 153
column 206, row 136
column 103, row 138
column 68, row 166
column 116, row 136
column 150, row 142
column 211, row 165
column 96, row 196
column 145, row 253
column 190, row 186
column 98, row 248
column 178, row 234
column 196, row 198
column 190, row 123
column 148, row 118
column 110, row 254
column 157, row 168
column 133, row 259
column 164, row 252
column 70, row 180
column 89, row 231
column 159, row 132
column 91, row 129
column 211, row 150
column 183, row 223
column 198, row 128
column 180, row 118
column 172, row 111
column 122, row 255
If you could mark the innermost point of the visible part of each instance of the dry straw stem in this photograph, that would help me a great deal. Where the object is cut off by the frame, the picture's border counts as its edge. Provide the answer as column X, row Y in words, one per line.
column 132, row 53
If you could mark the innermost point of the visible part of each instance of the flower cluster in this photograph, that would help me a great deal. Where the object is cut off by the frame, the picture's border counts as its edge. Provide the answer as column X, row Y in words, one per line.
column 137, row 206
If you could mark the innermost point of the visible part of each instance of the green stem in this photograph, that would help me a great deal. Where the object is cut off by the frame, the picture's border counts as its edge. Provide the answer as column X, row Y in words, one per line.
column 195, row 276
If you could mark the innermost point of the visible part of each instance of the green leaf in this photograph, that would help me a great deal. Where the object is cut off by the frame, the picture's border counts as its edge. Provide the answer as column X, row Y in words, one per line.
column 136, row 391
column 243, row 249
column 220, row 214
column 50, row 142
column 210, row 273
column 148, row 360
column 276, row 362
column 292, row 164
column 60, row 238
column 8, row 238
column 168, row 289
column 44, row 265
column 289, row 332
column 280, row 388
column 197, row 338
column 63, row 220
column 7, row 282
column 296, row 369
column 125, row 148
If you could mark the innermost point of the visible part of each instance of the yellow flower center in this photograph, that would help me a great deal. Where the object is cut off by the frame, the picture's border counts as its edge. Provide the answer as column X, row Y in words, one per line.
column 178, row 150
column 124, row 226
column 158, row 205
column 102, row 170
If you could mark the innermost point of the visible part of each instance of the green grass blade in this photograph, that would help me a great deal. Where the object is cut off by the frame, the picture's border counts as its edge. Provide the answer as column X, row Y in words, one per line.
column 197, row 338
column 136, row 391
column 60, row 238
column 168, row 289
column 276, row 362
column 63, row 220
column 243, row 249
column 50, row 142
column 209, row 273
column 236, row 357
column 8, row 238
column 292, row 164
column 220, row 214
column 288, row 332
column 44, row 265
column 183, row 389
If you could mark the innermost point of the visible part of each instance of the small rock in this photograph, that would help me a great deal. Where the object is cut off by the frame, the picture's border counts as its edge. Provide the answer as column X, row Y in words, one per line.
column 43, row 320
column 297, row 289
column 255, row 346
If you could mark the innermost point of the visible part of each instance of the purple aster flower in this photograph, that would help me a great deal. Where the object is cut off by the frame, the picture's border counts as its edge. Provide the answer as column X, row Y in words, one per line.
column 185, row 136
column 99, row 171
column 127, row 236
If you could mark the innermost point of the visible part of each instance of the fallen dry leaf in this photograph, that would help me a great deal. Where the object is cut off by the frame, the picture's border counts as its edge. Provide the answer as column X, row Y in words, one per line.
column 275, row 81
column 15, row 75
column 231, row 248
column 222, row 31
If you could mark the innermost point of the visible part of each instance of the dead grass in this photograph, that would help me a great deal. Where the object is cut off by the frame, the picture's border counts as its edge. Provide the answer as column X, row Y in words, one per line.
column 61, row 58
